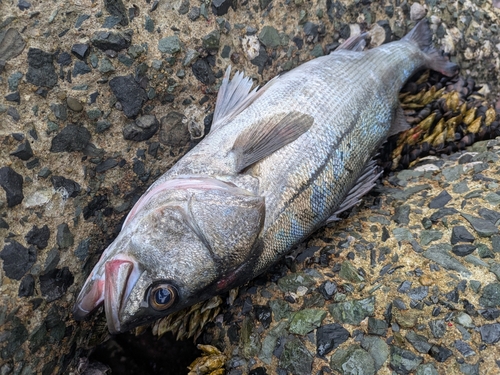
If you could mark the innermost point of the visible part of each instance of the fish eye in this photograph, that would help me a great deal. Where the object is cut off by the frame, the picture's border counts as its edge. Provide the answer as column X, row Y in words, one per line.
column 162, row 296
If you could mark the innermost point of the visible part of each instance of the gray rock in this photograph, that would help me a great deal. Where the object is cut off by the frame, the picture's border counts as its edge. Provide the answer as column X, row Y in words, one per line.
column 402, row 214
column 64, row 237
column 296, row 358
column 441, row 200
column 483, row 227
column 440, row 254
column 80, row 68
column 203, row 72
column 490, row 296
column 404, row 361
column 291, row 282
column 170, row 44
column 438, row 328
column 17, row 259
column 352, row 312
column 377, row 348
column 305, row 320
column 13, row 80
column 220, row 7
column 329, row 337
column 174, row 132
column 129, row 93
column 353, row 360
column 270, row 341
column 142, row 129
column 71, row 138
column 117, row 9
column 490, row 333
column 112, row 40
column 11, row 44
column 426, row 369
column 463, row 249
column 211, row 41
column 428, row 236
column 464, row 348
column 269, row 37
column 350, row 273
column 41, row 71
column 419, row 342
column 23, row 151
column 460, row 234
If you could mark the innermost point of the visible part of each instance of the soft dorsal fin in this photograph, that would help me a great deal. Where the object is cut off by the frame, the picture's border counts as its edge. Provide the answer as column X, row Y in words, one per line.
column 354, row 43
column 399, row 123
column 267, row 137
column 234, row 96
column 364, row 183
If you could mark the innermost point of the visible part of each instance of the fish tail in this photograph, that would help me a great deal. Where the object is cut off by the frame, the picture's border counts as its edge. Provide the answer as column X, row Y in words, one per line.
column 421, row 35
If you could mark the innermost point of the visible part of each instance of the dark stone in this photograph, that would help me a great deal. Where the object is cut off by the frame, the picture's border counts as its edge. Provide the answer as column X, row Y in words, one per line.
column 294, row 349
column 142, row 129
column 129, row 93
column 491, row 295
column 328, row 289
column 23, row 4
column 489, row 314
column 64, row 237
column 463, row 249
column 419, row 342
column 490, row 215
column 404, row 287
column 261, row 60
column 96, row 204
column 461, row 234
column 263, row 315
column 12, row 183
column 38, row 237
column 402, row 214
column 52, row 260
column 117, row 8
column 483, row 227
column 55, row 283
column 13, row 97
column 81, row 19
column 329, row 337
column 41, row 70
column 203, row 72
column 64, row 59
column 113, row 40
column 23, row 151
column 4, row 224
column 438, row 328
column 403, row 361
column 490, row 333
column 299, row 42
column 220, row 7
column 452, row 296
column 43, row 92
column 12, row 112
column 419, row 293
column 82, row 250
column 17, row 335
column 27, row 286
column 71, row 138
column 71, row 187
column 174, row 132
column 59, row 110
column 377, row 327
column 441, row 200
column 107, row 164
column 110, row 22
column 440, row 353
column 80, row 68
column 11, row 45
column 17, row 259
column 464, row 348
column 80, row 50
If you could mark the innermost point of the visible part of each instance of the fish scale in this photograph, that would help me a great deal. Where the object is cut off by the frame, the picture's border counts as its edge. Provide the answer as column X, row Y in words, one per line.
column 278, row 163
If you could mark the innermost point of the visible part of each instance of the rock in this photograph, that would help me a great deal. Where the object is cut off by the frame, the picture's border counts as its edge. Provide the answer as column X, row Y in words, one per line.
column 440, row 353
column 27, row 286
column 106, row 165
column 329, row 337
column 60, row 111
column 23, row 151
column 464, row 348
column 55, row 283
column 404, row 361
column 296, row 358
column 490, row 215
column 64, row 237
column 426, row 369
column 402, row 214
column 211, row 41
column 203, row 72
column 12, row 183
column 105, row 66
column 41, row 71
column 428, row 236
column 490, row 333
column 220, row 7
column 352, row 312
column 483, row 227
column 74, row 104
column 13, row 80
column 442, row 199
column 80, row 50
column 170, row 44
column 328, row 289
column 377, row 348
column 438, row 328
column 305, row 320
column 112, row 40
column 71, row 138
column 290, row 283
column 377, row 327
column 417, row 12
column 174, row 132
column 38, row 237
column 440, row 254
column 11, row 44
column 129, row 93
column 350, row 273
column 463, row 250
column 70, row 187
column 23, row 4
column 269, row 37
column 353, row 360
column 13, row 97
column 491, row 295
column 460, row 234
column 117, row 9
column 142, row 129
column 17, row 259
column 80, row 68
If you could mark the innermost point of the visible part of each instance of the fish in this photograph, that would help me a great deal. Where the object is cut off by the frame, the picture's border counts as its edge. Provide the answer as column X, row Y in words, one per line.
column 278, row 163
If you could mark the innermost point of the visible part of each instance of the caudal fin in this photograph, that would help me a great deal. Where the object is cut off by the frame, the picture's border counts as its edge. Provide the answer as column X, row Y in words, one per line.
column 421, row 35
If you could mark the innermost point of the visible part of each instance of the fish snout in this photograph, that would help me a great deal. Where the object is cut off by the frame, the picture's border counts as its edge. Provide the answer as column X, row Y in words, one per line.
column 89, row 298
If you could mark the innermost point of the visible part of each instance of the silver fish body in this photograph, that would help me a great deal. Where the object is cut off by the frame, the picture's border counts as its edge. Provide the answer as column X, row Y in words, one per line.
column 277, row 164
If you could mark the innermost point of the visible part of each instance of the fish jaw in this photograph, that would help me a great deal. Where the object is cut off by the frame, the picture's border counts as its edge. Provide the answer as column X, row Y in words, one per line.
column 89, row 299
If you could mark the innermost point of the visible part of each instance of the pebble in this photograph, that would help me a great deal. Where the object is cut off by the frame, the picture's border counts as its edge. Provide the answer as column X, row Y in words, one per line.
column 17, row 259
column 460, row 234
column 41, row 70
column 69, row 187
column 211, row 41
column 463, row 249
column 38, row 236
column 117, row 9
column 293, row 349
column 23, row 151
column 12, row 183
column 490, row 333
column 203, row 72
column 64, row 237
column 353, row 360
column 441, row 200
column 27, row 286
column 306, row 320
column 142, row 129
column 11, row 44
column 80, row 50
column 55, row 283
column 174, row 132
column 269, row 37
column 352, row 312
column 71, row 138
column 129, row 93
column 74, row 104
column 80, row 68
column 441, row 255
column 170, row 44
column 490, row 296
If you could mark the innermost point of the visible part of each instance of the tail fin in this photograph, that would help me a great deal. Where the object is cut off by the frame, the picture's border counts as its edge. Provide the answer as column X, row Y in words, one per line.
column 421, row 35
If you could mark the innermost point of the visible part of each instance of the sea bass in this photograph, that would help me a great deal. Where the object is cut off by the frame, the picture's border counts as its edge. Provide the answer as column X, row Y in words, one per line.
column 278, row 163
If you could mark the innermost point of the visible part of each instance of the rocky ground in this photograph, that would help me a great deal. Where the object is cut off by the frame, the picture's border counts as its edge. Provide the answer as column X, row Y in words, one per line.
column 100, row 98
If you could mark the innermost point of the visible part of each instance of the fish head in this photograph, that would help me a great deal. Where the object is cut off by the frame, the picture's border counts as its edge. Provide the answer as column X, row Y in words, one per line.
column 180, row 249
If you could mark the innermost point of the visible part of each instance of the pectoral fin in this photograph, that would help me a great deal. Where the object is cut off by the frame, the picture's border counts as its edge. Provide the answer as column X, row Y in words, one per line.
column 267, row 137
column 364, row 183
column 399, row 123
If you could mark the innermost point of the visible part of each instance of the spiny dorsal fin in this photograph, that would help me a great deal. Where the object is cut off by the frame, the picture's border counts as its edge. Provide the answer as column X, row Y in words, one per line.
column 399, row 123
column 267, row 137
column 234, row 96
column 364, row 183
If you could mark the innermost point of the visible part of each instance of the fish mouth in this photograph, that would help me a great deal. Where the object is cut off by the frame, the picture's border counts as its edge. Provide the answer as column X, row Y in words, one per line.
column 113, row 287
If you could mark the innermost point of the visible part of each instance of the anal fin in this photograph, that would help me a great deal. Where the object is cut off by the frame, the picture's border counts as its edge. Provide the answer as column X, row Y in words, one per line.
column 267, row 137
column 399, row 123
column 364, row 183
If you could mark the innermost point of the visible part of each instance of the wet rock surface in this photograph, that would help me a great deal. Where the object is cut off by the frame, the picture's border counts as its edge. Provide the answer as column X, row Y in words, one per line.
column 72, row 164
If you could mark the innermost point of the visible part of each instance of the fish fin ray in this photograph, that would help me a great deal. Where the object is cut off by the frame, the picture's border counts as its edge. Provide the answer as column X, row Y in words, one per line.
column 421, row 35
column 399, row 123
column 364, row 183
column 354, row 43
column 268, row 137
column 234, row 96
